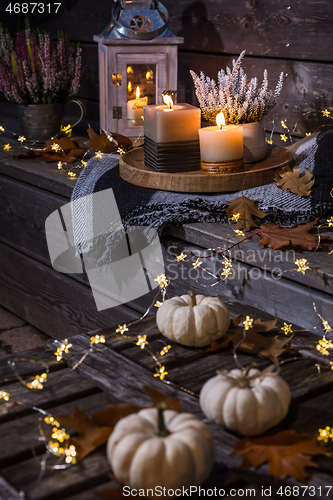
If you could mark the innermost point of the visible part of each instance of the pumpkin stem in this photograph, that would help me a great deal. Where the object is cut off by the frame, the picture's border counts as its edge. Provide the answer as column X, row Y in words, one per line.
column 252, row 365
column 161, row 430
column 193, row 299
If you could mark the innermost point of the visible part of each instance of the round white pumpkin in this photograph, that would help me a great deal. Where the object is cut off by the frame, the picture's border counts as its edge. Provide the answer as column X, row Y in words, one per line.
column 193, row 320
column 141, row 458
column 248, row 403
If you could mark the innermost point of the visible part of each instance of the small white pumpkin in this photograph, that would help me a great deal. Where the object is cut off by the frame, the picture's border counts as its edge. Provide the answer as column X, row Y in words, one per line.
column 193, row 320
column 172, row 450
column 249, row 402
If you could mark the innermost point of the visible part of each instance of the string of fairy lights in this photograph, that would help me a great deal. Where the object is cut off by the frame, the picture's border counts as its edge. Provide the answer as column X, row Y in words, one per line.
column 57, row 440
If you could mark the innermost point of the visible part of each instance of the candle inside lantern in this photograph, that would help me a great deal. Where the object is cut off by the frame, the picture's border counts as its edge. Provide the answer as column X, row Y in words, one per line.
column 135, row 107
column 171, row 136
column 221, row 147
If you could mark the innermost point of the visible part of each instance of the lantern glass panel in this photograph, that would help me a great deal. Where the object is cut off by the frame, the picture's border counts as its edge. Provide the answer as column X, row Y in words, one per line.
column 141, row 90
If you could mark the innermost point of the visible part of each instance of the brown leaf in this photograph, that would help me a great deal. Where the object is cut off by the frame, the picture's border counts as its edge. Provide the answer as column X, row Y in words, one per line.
column 158, row 397
column 123, row 141
column 290, row 180
column 270, row 347
column 66, row 144
column 90, row 434
column 51, row 157
column 116, row 412
column 100, row 142
column 30, row 154
column 77, row 152
column 263, row 326
column 286, row 453
column 246, row 209
column 275, row 237
column 235, row 320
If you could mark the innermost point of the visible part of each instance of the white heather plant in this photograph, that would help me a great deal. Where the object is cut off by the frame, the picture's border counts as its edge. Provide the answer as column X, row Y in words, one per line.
column 240, row 100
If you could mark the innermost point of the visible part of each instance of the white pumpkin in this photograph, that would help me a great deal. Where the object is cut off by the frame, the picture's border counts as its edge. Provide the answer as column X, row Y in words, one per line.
column 145, row 453
column 193, row 320
column 248, row 403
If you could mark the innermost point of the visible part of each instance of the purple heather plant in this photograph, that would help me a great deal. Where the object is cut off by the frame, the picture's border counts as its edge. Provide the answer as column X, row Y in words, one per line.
column 36, row 71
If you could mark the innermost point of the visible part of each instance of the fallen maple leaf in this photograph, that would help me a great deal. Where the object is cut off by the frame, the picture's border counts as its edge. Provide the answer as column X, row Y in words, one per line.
column 90, row 434
column 110, row 417
column 263, row 326
column 275, row 237
column 246, row 210
column 286, row 452
column 105, row 145
column 158, row 397
column 291, row 180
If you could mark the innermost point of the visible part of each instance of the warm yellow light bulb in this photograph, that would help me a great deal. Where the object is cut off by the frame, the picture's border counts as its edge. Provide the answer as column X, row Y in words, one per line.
column 220, row 121
column 168, row 100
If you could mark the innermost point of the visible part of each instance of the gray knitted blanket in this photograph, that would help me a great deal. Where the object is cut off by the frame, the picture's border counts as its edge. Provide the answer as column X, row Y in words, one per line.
column 156, row 209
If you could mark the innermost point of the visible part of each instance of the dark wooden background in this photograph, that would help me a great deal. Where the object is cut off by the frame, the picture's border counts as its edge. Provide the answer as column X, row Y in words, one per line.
column 293, row 36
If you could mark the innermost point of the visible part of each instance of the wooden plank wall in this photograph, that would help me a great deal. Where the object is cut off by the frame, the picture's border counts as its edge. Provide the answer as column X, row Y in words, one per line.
column 289, row 35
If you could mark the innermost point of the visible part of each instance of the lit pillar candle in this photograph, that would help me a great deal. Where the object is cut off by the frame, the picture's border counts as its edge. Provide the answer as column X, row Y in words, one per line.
column 221, row 148
column 171, row 136
column 171, row 122
column 135, row 106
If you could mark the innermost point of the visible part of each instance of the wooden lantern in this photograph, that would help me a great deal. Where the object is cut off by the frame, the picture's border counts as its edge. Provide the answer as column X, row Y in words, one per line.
column 138, row 60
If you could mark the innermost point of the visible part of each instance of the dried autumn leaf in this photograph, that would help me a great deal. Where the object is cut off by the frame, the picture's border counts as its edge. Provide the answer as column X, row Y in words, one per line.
column 52, row 157
column 254, row 343
column 123, row 142
column 275, row 237
column 100, row 142
column 286, row 452
column 158, row 397
column 263, row 326
column 291, row 180
column 110, row 417
column 64, row 143
column 246, row 209
column 90, row 434
column 30, row 154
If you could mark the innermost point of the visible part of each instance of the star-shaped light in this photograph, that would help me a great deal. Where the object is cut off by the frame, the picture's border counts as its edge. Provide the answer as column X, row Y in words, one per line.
column 122, row 329
column 142, row 341
column 307, row 134
column 84, row 163
column 227, row 262
column 326, row 112
column 286, row 328
column 158, row 303
column 326, row 327
column 248, row 323
column 51, row 421
column 7, row 147
column 301, row 265
column 165, row 350
column 97, row 339
column 325, row 435
column 235, row 217
column 59, row 165
column 227, row 272
column 197, row 263
column 283, row 137
column 2, row 129
column 71, row 174
column 38, row 381
column 162, row 280
column 4, row 395
column 121, row 150
column 324, row 345
column 181, row 256
column 283, row 124
column 60, row 434
column 330, row 221
column 67, row 129
column 99, row 154
column 21, row 138
column 56, row 147
column 239, row 232
column 268, row 141
column 161, row 372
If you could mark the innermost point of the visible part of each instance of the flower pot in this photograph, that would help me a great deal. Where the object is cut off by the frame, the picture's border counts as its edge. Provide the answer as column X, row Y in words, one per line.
column 254, row 138
column 40, row 122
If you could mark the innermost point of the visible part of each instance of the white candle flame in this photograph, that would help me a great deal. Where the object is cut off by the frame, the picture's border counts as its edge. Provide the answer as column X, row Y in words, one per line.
column 168, row 100
column 220, row 120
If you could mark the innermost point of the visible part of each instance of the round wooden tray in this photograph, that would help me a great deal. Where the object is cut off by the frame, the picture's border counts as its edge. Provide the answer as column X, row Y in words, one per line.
column 132, row 169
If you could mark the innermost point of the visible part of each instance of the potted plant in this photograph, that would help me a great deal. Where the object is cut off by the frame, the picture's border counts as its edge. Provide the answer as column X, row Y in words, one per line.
column 241, row 101
column 40, row 77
